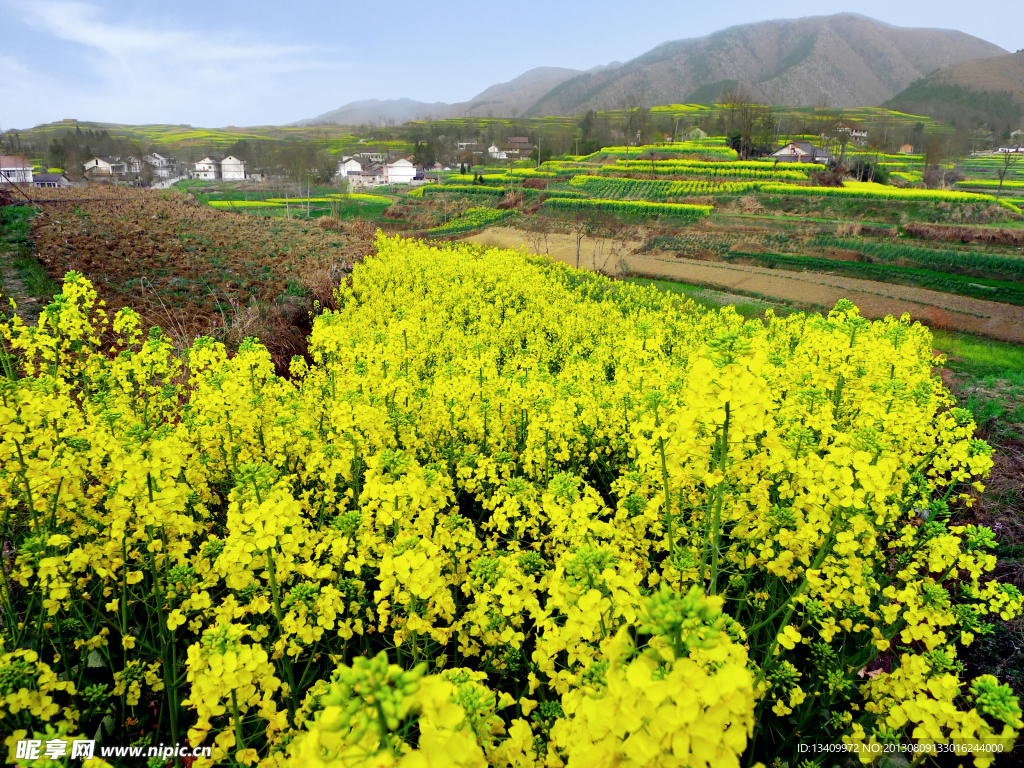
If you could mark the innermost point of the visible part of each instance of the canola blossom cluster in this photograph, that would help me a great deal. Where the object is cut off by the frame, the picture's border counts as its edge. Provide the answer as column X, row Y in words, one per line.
column 507, row 514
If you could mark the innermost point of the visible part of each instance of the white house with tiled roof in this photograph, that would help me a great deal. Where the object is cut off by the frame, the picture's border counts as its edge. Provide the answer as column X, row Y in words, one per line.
column 400, row 171
column 208, row 168
column 15, row 169
column 232, row 169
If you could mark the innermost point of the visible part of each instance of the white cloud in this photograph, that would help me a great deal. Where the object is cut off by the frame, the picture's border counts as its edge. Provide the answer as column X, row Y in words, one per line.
column 156, row 72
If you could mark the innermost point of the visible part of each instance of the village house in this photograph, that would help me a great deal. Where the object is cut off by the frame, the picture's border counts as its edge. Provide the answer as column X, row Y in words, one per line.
column 1018, row 134
column 163, row 167
column 694, row 134
column 1019, row 148
column 348, row 166
column 516, row 148
column 15, row 169
column 801, row 152
column 371, row 175
column 857, row 135
column 50, row 180
column 105, row 166
column 371, row 157
column 906, row 149
column 400, row 171
column 208, row 168
column 232, row 169
column 518, row 145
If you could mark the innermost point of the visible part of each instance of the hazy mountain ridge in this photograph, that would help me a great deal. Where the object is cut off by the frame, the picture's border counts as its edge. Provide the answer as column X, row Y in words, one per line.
column 986, row 91
column 998, row 73
column 511, row 98
column 375, row 111
column 844, row 60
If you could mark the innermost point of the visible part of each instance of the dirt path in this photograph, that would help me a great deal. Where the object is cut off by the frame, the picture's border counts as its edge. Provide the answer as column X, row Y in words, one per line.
column 988, row 318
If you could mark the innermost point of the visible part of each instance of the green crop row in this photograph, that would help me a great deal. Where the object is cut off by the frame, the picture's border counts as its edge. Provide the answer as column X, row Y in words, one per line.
column 941, row 259
column 713, row 170
column 654, row 189
column 474, row 218
column 874, row 191
column 632, row 207
column 229, row 204
column 990, row 290
column 678, row 148
column 755, row 165
column 464, row 189
column 991, row 184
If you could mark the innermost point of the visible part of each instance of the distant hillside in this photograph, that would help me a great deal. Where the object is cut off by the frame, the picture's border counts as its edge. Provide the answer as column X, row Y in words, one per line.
column 373, row 111
column 986, row 91
column 501, row 100
column 511, row 98
column 844, row 60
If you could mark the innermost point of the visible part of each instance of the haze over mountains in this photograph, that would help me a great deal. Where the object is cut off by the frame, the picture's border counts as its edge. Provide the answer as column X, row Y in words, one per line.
column 845, row 60
column 509, row 99
column 984, row 92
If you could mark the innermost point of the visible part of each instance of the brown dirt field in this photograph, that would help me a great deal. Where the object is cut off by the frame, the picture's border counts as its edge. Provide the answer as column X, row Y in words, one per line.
column 875, row 300
column 194, row 270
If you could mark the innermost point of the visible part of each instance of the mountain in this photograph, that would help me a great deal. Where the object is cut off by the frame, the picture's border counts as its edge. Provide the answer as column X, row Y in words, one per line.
column 986, row 91
column 845, row 60
column 375, row 111
column 514, row 97
column 502, row 100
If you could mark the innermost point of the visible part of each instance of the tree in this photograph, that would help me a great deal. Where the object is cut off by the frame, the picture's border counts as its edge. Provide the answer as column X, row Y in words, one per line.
column 865, row 170
column 138, row 149
column 1010, row 159
column 745, row 121
column 545, row 154
column 424, row 154
column 581, row 227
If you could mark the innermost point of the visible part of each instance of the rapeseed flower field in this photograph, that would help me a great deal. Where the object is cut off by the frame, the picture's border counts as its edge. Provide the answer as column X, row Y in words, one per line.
column 507, row 514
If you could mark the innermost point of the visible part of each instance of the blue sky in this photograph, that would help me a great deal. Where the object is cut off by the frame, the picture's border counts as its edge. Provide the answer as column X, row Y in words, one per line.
column 226, row 62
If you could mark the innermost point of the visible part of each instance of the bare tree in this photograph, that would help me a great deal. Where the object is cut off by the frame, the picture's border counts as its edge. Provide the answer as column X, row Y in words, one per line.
column 743, row 116
column 1010, row 159
column 138, row 149
column 581, row 227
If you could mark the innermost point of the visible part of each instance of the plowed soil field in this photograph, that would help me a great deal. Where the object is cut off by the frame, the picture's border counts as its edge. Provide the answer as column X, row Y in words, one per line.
column 166, row 255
